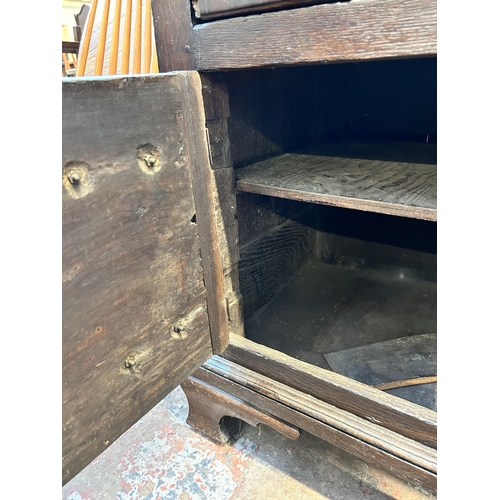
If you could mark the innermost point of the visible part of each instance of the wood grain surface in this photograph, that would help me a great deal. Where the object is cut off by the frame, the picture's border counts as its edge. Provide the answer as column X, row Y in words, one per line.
column 403, row 457
column 380, row 364
column 332, row 308
column 268, row 264
column 338, row 32
column 384, row 178
column 173, row 34
column 214, row 9
column 135, row 319
column 403, row 417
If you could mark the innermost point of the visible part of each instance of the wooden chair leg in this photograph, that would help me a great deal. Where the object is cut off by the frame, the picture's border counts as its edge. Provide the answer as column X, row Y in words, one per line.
column 209, row 409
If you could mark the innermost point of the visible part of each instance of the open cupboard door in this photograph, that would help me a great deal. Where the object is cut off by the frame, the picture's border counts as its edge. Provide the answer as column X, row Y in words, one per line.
column 143, row 304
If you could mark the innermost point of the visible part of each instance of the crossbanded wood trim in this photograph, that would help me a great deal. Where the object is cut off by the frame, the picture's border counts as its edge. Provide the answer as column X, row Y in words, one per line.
column 401, row 416
column 402, row 457
column 339, row 32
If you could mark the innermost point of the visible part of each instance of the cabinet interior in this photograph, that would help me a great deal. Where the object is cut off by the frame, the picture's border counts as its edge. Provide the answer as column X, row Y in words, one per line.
column 335, row 170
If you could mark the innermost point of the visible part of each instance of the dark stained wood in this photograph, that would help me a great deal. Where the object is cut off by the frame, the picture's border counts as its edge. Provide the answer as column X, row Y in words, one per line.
column 281, row 110
column 70, row 47
column 214, row 9
column 403, row 417
column 207, row 206
column 393, row 245
column 173, row 34
column 369, row 177
column 339, row 32
column 258, row 215
column 216, row 103
column 273, row 111
column 135, row 317
column 227, row 225
column 402, row 358
column 332, row 308
column 215, row 96
column 208, row 405
column 403, row 457
column 268, row 264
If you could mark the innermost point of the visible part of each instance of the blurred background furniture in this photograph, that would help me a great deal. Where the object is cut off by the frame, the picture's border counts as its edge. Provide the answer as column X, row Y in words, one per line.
column 118, row 38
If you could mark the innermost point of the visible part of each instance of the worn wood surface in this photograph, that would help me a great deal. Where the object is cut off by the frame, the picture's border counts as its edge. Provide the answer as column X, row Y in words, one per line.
column 208, row 405
column 273, row 111
column 215, row 9
column 393, row 245
column 405, row 418
column 135, row 317
column 401, row 456
column 276, row 111
column 331, row 308
column 268, row 264
column 402, row 358
column 217, row 111
column 258, row 215
column 207, row 206
column 173, row 34
column 216, row 104
column 338, row 32
column 384, row 178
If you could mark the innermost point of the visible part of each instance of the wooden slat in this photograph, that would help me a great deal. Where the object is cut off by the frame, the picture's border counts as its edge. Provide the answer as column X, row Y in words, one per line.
column 115, row 38
column 101, row 47
column 135, row 320
column 85, row 45
column 146, row 59
column 407, row 419
column 339, row 32
column 403, row 457
column 136, row 64
column 372, row 177
column 127, row 33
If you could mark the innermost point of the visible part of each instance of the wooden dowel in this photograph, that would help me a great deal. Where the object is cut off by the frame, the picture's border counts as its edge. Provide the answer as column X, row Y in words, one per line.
column 405, row 383
column 101, row 47
column 146, row 64
column 113, row 58
column 127, row 29
column 84, row 47
column 136, row 66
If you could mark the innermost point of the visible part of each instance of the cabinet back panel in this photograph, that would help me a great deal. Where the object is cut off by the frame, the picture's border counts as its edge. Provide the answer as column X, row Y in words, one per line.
column 284, row 109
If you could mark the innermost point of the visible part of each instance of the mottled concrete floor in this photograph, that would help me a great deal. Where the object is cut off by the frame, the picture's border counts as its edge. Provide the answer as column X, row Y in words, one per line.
column 160, row 457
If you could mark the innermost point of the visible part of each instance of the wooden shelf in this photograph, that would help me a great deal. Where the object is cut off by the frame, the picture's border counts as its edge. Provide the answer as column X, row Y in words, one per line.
column 389, row 178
